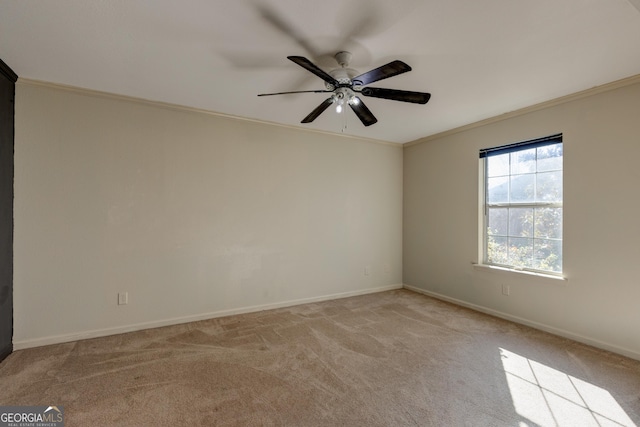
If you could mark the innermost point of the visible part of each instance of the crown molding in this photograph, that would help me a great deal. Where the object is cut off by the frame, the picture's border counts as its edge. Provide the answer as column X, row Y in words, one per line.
column 628, row 81
column 177, row 107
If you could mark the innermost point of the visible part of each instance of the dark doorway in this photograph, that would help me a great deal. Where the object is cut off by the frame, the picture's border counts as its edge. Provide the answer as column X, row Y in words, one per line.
column 7, row 96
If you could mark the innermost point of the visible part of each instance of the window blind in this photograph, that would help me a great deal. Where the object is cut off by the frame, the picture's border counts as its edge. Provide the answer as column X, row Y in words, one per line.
column 523, row 145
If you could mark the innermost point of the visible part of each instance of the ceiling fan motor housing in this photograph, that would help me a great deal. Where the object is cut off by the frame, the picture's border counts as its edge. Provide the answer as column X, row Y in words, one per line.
column 342, row 75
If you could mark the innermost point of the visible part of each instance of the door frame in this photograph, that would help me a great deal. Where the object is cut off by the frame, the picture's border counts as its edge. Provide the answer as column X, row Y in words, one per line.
column 6, row 225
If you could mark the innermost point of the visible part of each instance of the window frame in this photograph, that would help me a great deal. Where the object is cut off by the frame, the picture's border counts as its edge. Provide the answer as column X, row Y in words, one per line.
column 485, row 205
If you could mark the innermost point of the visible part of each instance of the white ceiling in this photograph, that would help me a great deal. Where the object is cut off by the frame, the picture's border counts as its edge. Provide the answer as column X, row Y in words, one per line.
column 478, row 59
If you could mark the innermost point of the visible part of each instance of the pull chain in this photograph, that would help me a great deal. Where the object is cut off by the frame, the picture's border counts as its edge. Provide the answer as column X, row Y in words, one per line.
column 344, row 121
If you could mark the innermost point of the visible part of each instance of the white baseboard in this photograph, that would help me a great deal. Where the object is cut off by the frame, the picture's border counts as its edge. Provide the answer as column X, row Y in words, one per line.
column 58, row 339
column 546, row 328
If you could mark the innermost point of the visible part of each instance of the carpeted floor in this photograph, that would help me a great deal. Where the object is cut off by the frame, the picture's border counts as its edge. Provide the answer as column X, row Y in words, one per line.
column 389, row 359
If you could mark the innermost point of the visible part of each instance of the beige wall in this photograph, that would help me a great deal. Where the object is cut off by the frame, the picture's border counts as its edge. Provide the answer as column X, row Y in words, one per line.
column 197, row 215
column 599, row 301
column 194, row 215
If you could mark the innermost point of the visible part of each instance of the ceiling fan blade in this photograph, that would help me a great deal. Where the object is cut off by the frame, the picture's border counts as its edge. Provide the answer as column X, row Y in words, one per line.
column 310, row 66
column 295, row 91
column 319, row 110
column 397, row 95
column 277, row 20
column 389, row 70
column 364, row 114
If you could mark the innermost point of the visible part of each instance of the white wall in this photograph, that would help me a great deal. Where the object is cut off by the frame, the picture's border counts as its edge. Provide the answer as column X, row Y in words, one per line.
column 193, row 214
column 599, row 303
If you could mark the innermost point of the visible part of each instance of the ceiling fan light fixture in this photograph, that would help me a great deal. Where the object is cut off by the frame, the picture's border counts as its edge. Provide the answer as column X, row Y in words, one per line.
column 339, row 102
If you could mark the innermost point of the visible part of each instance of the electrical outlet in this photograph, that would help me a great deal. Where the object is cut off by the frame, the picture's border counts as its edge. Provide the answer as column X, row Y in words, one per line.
column 367, row 270
column 506, row 290
column 123, row 298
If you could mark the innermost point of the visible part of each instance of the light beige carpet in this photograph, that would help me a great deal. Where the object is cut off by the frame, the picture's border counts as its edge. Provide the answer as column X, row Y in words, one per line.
column 388, row 359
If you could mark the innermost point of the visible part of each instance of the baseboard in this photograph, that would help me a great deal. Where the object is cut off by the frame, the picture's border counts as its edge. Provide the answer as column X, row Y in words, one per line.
column 58, row 339
column 536, row 325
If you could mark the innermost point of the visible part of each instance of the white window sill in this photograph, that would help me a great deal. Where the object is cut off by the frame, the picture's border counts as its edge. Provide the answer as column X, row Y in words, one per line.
column 487, row 267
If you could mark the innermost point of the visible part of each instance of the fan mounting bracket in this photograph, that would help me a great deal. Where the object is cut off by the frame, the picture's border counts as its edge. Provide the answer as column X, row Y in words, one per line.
column 343, row 58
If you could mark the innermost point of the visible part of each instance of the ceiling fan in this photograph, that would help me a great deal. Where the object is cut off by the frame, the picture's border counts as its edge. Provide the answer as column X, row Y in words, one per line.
column 345, row 86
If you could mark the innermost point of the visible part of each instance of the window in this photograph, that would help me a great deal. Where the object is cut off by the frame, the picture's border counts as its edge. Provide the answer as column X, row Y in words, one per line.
column 523, row 205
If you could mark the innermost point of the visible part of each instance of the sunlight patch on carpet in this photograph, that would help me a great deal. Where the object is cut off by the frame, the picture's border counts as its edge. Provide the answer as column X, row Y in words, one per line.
column 545, row 396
